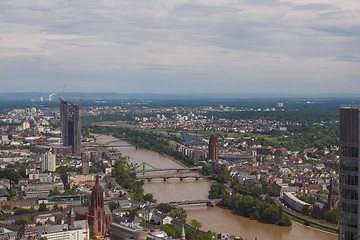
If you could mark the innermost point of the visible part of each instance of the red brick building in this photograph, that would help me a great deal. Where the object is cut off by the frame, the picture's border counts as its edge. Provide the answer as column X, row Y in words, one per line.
column 214, row 147
column 97, row 212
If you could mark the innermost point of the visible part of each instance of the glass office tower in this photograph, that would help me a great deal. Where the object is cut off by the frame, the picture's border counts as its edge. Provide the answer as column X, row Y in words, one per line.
column 349, row 173
column 70, row 125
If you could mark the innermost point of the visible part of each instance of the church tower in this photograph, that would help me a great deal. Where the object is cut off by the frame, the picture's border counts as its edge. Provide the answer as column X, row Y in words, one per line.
column 97, row 212
column 331, row 197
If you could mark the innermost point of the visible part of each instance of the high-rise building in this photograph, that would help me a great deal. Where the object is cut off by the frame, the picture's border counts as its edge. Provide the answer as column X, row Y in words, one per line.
column 48, row 162
column 349, row 215
column 85, row 165
column 70, row 125
column 214, row 147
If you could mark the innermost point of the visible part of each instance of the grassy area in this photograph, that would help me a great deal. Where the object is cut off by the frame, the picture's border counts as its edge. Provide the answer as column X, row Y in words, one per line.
column 162, row 130
column 295, row 219
column 271, row 139
column 115, row 124
column 315, row 223
column 311, row 224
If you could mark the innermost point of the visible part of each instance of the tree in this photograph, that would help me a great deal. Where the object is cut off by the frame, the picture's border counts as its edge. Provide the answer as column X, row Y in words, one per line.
column 306, row 210
column 27, row 219
column 284, row 220
column 206, row 236
column 92, row 231
column 171, row 230
column 6, row 207
column 332, row 215
column 149, row 198
column 95, row 170
column 69, row 192
column 20, row 222
column 196, row 224
column 180, row 214
column 22, row 211
column 56, row 207
column 54, row 192
column 224, row 175
column 164, row 207
column 217, row 191
column 42, row 207
column 143, row 223
column 206, row 170
column 190, row 234
column 12, row 192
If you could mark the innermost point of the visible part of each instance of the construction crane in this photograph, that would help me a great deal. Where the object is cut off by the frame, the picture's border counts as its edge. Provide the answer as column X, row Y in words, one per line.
column 62, row 92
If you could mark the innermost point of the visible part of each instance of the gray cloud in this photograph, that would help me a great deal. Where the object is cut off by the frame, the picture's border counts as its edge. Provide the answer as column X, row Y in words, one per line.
column 210, row 45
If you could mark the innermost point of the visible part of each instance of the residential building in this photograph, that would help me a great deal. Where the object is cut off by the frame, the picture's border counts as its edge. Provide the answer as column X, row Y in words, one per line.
column 48, row 162
column 78, row 231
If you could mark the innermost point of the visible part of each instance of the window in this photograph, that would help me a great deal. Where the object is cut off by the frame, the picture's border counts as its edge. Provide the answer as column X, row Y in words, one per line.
column 349, row 180
column 349, row 152
column 349, row 208
column 349, row 165
column 349, row 193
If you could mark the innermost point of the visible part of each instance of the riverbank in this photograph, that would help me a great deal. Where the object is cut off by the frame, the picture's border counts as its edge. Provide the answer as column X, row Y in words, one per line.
column 309, row 221
column 212, row 218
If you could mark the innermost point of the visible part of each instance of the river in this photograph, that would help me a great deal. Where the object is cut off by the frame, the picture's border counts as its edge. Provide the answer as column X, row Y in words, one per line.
column 212, row 218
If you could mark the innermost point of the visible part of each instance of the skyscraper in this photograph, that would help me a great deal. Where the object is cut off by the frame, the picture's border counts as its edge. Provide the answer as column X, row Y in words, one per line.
column 349, row 173
column 214, row 147
column 48, row 162
column 70, row 125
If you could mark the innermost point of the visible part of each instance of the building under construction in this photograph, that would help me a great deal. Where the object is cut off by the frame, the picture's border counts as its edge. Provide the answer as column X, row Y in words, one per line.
column 70, row 125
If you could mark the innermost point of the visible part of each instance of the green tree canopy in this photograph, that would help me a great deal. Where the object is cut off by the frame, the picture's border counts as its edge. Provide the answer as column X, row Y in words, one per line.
column 42, row 207
column 164, row 207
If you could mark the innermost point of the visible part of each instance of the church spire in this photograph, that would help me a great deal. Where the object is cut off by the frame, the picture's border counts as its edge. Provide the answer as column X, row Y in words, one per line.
column 182, row 233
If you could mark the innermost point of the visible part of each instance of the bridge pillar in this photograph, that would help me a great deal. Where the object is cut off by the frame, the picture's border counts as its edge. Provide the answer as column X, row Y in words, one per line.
column 181, row 178
column 165, row 179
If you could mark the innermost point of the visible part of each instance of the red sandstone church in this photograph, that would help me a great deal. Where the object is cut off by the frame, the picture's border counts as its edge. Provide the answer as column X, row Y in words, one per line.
column 98, row 214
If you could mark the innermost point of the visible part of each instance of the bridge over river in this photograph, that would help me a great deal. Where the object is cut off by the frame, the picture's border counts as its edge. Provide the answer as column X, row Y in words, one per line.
column 209, row 202
column 176, row 175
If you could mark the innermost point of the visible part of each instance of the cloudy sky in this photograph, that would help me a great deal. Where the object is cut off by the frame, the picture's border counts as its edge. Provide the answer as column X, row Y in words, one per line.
column 180, row 46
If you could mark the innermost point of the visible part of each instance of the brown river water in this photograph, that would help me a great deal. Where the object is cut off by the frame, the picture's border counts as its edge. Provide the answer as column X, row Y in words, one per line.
column 215, row 219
